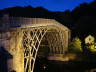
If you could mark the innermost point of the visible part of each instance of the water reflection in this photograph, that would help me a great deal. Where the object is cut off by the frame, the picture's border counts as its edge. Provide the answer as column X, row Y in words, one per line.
column 44, row 65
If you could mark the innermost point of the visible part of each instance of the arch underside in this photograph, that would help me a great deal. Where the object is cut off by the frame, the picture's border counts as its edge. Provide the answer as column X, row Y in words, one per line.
column 33, row 40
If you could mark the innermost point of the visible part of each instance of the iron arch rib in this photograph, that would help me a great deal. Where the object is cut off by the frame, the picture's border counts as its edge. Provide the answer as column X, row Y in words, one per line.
column 31, row 43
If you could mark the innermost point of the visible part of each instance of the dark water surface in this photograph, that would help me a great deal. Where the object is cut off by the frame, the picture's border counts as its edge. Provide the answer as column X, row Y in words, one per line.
column 44, row 65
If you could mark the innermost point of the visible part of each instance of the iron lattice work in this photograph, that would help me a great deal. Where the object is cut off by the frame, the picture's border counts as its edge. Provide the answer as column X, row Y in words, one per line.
column 31, row 43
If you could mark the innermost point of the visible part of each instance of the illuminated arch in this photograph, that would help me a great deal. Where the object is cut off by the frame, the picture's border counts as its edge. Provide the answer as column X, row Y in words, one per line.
column 25, row 38
column 31, row 42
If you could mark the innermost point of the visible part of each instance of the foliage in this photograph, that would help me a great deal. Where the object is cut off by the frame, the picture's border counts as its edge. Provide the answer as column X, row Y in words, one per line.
column 75, row 45
column 91, row 47
column 90, row 44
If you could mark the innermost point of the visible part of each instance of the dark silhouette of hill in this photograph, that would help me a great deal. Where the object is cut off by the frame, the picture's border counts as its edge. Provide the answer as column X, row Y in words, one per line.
column 85, row 19
column 82, row 20
column 26, row 12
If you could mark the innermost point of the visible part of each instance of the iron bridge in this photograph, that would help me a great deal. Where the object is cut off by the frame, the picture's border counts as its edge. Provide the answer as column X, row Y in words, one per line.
column 27, row 38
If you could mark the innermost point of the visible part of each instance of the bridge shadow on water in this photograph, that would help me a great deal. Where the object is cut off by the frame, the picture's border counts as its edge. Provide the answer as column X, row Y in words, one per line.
column 4, row 57
column 44, row 65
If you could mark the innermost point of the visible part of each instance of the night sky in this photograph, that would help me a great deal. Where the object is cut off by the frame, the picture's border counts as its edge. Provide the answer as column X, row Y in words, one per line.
column 52, row 5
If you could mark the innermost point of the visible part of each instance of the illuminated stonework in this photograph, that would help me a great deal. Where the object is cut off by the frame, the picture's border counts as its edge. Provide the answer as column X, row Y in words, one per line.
column 23, row 37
